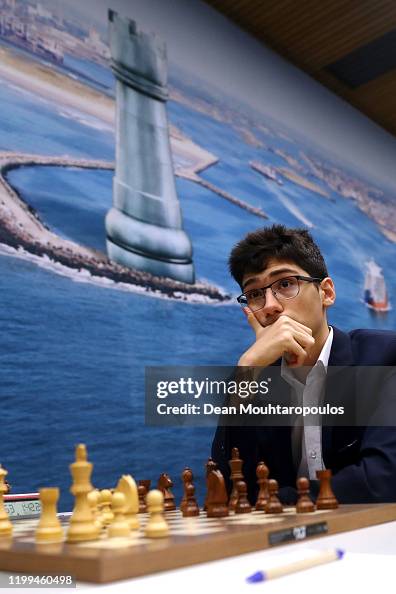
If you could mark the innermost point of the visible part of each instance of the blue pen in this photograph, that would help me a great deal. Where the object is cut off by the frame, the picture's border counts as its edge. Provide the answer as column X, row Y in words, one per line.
column 319, row 559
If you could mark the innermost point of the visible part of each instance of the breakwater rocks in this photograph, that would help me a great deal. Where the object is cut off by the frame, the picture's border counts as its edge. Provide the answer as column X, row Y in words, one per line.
column 100, row 266
column 191, row 175
column 258, row 212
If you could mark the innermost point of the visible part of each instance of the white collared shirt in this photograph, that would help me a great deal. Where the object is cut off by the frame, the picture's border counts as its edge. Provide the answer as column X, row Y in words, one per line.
column 307, row 439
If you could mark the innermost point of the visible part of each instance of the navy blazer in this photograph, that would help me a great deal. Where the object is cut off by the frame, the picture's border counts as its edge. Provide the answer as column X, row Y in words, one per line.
column 362, row 458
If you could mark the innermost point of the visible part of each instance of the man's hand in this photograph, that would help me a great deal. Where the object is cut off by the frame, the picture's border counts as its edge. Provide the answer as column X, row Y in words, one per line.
column 284, row 337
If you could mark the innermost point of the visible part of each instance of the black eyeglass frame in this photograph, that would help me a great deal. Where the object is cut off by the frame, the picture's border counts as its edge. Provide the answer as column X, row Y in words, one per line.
column 298, row 277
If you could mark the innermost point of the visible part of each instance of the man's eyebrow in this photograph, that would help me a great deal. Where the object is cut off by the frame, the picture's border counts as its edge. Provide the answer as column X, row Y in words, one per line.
column 271, row 274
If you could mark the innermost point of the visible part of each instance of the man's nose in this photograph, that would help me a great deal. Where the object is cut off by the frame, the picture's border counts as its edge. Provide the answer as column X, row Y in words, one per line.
column 272, row 305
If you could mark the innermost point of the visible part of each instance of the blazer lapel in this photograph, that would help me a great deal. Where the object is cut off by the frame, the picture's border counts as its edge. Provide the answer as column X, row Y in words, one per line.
column 337, row 386
column 341, row 350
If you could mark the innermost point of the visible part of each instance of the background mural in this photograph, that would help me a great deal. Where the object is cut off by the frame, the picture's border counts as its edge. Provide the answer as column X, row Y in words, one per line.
column 77, row 330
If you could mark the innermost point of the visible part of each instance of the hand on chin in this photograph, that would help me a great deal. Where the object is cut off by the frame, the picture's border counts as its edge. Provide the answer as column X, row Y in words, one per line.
column 290, row 359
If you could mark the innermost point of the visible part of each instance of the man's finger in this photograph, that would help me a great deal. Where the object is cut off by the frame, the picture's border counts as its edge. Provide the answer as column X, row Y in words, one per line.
column 305, row 340
column 295, row 324
column 296, row 355
column 254, row 323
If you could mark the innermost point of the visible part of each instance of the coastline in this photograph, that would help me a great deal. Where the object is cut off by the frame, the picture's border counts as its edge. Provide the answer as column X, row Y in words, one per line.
column 22, row 229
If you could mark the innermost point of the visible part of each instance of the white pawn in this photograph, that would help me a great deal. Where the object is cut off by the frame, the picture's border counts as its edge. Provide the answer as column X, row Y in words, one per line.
column 106, row 515
column 120, row 525
column 156, row 526
column 49, row 528
column 93, row 500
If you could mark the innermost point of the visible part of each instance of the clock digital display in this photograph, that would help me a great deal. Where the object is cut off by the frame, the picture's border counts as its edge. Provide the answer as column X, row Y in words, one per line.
column 23, row 509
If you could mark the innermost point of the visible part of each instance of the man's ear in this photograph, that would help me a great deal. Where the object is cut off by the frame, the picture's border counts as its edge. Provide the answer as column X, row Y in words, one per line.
column 327, row 291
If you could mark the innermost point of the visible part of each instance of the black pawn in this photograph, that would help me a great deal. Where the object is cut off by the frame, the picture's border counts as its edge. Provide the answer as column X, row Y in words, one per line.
column 304, row 503
column 274, row 506
column 190, row 508
column 142, row 492
column 243, row 506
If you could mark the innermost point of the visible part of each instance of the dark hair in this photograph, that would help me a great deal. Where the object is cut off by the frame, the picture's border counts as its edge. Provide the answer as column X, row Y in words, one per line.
column 278, row 242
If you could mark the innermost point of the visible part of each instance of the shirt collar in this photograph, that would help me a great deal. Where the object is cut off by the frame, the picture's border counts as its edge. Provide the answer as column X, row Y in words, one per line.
column 325, row 352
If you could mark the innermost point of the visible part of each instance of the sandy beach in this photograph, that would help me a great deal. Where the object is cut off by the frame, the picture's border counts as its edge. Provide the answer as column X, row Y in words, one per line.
column 53, row 86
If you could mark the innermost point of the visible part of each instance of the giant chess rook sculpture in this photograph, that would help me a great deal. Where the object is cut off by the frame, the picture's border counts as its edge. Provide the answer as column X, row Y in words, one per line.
column 144, row 227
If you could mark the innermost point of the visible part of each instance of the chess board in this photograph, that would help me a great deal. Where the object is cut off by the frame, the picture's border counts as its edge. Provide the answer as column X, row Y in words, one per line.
column 191, row 541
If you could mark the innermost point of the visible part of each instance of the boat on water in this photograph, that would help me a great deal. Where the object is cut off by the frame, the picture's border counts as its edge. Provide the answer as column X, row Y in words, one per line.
column 375, row 294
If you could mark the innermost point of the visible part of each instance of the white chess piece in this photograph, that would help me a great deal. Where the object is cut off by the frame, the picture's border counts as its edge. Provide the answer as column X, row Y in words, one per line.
column 156, row 526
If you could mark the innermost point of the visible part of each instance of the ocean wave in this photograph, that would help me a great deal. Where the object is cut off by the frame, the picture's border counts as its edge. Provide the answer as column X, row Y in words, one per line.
column 84, row 276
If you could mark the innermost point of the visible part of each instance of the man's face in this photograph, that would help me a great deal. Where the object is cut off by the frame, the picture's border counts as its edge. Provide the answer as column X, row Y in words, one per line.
column 308, row 307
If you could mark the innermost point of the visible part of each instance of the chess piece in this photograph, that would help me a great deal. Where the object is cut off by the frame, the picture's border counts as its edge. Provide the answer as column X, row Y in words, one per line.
column 82, row 523
column 142, row 492
column 217, row 495
column 146, row 483
column 242, row 506
column 156, row 526
column 144, row 227
column 209, row 466
column 5, row 523
column 304, row 503
column 191, row 508
column 127, row 486
column 93, row 500
column 326, row 498
column 164, row 485
column 262, row 481
column 236, row 475
column 120, row 525
column 274, row 506
column 187, row 478
column 49, row 528
column 106, row 514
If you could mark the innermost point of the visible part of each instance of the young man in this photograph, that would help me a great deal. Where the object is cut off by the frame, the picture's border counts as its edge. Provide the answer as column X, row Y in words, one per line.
column 286, row 294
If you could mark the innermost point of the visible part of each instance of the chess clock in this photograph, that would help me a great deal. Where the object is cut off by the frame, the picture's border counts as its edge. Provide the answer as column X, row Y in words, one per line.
column 22, row 506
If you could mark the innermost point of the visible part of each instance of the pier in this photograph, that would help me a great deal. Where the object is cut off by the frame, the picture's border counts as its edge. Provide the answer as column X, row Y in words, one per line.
column 192, row 176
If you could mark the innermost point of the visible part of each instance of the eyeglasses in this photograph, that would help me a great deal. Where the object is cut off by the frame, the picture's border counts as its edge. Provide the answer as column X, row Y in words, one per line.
column 283, row 288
